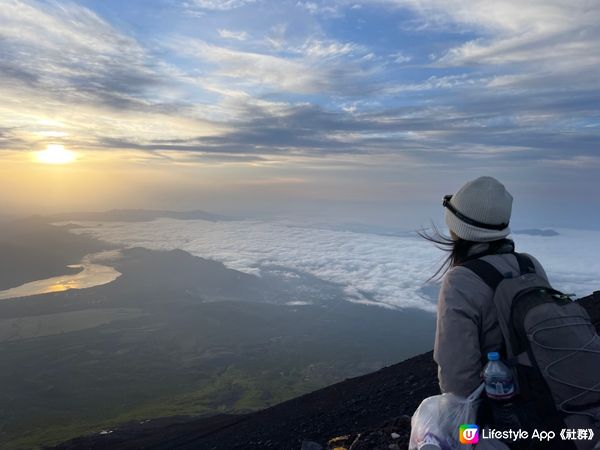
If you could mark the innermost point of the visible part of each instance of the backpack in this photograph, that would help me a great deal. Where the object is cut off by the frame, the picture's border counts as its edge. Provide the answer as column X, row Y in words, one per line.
column 550, row 342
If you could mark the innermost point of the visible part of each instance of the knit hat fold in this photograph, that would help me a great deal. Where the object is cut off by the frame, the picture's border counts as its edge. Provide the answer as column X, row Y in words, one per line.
column 484, row 200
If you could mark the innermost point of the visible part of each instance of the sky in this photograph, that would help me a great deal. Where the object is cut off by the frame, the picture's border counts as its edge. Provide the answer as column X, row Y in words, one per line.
column 344, row 111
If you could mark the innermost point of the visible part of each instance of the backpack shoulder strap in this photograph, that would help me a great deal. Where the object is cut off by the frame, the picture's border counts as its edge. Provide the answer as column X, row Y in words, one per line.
column 484, row 270
column 525, row 263
column 491, row 276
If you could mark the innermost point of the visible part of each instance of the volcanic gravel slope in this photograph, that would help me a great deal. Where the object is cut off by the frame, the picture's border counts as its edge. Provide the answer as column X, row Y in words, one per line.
column 367, row 412
column 360, row 403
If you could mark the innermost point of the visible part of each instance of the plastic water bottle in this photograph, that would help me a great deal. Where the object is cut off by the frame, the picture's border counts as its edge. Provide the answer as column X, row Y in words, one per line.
column 430, row 442
column 498, row 378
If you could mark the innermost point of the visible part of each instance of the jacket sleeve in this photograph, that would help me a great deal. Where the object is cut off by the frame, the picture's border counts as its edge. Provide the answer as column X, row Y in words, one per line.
column 457, row 347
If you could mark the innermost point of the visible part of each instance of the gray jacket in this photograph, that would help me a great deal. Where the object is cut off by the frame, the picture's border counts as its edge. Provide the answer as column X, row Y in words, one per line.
column 467, row 325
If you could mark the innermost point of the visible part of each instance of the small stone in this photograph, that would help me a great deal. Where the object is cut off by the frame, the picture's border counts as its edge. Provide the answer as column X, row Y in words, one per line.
column 338, row 439
column 395, row 435
column 393, row 447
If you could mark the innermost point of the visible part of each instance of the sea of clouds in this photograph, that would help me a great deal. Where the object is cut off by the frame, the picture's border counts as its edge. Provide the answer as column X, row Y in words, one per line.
column 388, row 271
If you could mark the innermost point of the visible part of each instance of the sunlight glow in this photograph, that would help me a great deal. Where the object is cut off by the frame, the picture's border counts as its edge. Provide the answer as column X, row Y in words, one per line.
column 55, row 154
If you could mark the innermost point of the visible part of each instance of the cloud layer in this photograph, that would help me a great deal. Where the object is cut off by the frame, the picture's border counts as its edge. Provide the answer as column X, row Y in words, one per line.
column 389, row 271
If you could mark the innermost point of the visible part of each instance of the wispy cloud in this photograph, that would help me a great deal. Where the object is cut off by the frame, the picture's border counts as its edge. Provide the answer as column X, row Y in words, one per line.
column 229, row 34
column 65, row 62
column 540, row 38
column 316, row 66
column 401, row 58
column 216, row 5
column 331, row 49
column 78, row 57
column 319, row 7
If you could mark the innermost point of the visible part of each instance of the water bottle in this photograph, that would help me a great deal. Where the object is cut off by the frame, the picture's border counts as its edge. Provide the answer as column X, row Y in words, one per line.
column 500, row 388
column 498, row 378
column 431, row 442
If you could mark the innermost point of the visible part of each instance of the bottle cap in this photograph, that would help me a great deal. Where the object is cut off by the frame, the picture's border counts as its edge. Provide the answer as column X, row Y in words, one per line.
column 493, row 356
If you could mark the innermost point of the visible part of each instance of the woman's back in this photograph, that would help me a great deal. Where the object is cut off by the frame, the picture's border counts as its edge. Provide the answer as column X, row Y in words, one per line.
column 467, row 327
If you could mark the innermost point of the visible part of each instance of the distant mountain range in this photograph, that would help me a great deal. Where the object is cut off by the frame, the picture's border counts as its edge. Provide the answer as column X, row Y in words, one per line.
column 136, row 215
column 147, row 215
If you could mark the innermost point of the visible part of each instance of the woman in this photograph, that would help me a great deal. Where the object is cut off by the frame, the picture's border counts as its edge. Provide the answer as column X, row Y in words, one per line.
column 478, row 218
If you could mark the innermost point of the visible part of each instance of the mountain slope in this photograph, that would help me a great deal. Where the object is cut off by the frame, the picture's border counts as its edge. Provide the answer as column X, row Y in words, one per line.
column 358, row 403
column 365, row 410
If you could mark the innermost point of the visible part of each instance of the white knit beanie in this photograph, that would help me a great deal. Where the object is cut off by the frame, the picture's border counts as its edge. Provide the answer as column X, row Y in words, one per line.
column 479, row 211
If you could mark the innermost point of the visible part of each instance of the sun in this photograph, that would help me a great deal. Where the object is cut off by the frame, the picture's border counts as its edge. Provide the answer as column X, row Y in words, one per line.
column 55, row 154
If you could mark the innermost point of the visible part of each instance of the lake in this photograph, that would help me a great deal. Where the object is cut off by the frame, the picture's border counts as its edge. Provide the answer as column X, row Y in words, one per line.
column 92, row 273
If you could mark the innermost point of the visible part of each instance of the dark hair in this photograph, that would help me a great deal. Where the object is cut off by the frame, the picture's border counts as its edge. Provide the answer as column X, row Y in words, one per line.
column 457, row 249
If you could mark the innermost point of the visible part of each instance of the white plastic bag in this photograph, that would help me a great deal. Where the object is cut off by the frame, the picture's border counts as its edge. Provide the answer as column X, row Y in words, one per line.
column 439, row 418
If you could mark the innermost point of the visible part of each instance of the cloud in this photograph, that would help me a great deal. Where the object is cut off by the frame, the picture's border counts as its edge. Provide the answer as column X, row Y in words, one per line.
column 517, row 83
column 542, row 38
column 73, row 53
column 321, row 8
column 583, row 162
column 63, row 61
column 229, row 34
column 357, row 261
column 401, row 58
column 476, row 115
column 332, row 49
column 387, row 270
column 438, row 136
column 510, row 16
column 9, row 140
column 251, row 68
column 217, row 5
column 317, row 66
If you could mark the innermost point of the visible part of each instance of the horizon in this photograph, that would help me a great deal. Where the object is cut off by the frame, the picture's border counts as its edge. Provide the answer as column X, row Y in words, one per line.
column 352, row 111
column 517, row 226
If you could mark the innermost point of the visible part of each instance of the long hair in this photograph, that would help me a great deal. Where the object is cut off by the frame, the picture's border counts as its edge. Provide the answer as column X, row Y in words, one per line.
column 457, row 249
